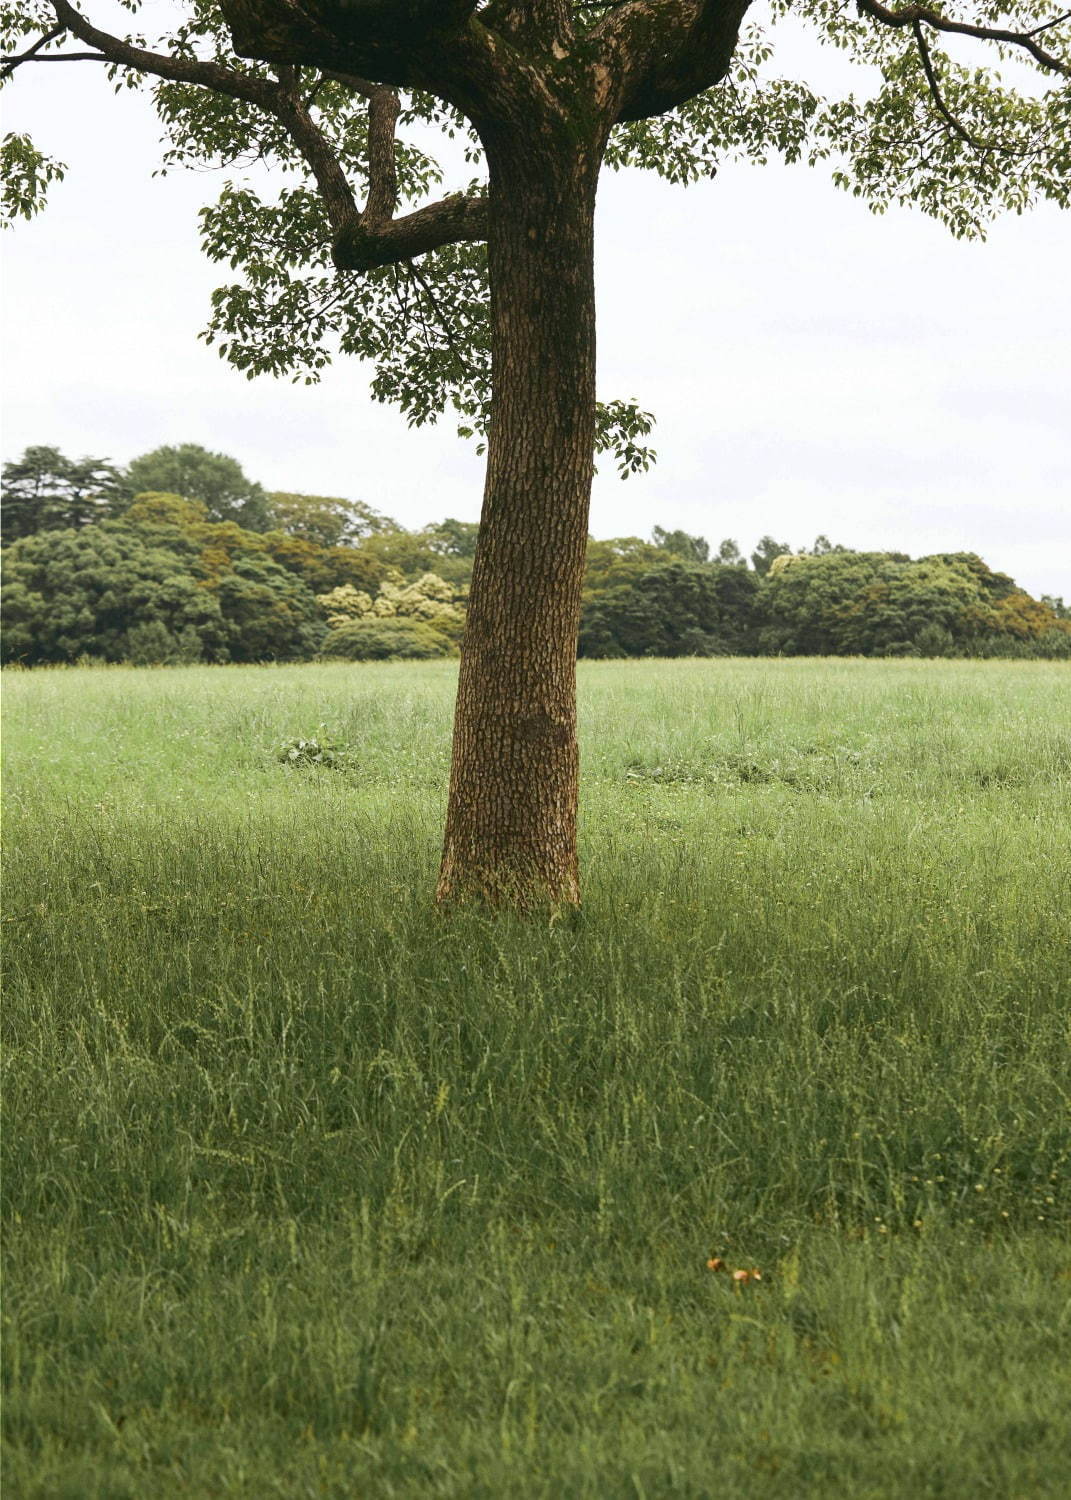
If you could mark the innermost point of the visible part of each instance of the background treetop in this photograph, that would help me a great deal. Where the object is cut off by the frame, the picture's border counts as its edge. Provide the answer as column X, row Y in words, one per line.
column 216, row 480
column 327, row 519
column 44, row 491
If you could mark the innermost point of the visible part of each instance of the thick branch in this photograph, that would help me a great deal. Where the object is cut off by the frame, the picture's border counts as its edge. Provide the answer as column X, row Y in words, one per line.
column 451, row 54
column 537, row 26
column 396, row 18
column 404, row 43
column 211, row 75
column 291, row 110
column 664, row 52
column 360, row 86
column 916, row 16
column 383, row 109
column 372, row 238
column 362, row 241
column 365, row 240
column 363, row 246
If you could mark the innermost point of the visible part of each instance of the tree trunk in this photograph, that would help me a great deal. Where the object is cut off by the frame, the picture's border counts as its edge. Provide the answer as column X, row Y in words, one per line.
column 511, row 819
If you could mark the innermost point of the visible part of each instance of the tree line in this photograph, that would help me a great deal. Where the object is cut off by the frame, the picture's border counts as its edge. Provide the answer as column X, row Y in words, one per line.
column 180, row 557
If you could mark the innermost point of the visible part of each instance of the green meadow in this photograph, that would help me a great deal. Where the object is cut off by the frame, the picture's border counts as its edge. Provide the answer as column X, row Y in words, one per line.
column 311, row 1190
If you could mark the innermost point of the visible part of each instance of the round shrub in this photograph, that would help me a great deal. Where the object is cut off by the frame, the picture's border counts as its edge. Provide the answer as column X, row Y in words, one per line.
column 384, row 640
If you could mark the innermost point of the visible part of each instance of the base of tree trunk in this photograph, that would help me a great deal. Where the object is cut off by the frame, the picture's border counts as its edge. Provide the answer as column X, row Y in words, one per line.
column 508, row 890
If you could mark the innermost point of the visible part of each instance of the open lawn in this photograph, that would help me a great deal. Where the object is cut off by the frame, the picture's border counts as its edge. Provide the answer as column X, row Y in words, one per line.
column 312, row 1191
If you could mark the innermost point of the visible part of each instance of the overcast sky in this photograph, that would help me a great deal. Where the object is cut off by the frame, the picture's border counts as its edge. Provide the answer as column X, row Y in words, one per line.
column 813, row 368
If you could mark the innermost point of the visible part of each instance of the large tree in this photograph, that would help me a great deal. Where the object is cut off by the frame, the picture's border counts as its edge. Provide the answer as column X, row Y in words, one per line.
column 44, row 491
column 216, row 479
column 485, row 298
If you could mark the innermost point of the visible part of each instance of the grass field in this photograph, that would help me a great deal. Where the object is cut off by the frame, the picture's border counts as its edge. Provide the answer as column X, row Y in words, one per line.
column 310, row 1190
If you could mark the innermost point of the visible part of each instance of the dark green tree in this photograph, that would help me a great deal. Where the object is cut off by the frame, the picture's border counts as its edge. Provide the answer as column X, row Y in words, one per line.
column 270, row 614
column 108, row 593
column 678, row 609
column 693, row 549
column 729, row 554
column 485, row 299
column 766, row 551
column 215, row 479
column 268, row 609
column 44, row 491
column 885, row 604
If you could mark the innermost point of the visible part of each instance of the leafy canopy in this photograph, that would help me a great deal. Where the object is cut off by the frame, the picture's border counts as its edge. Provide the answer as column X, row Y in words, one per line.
column 191, row 587
column 841, row 603
column 960, row 110
column 45, row 491
column 215, row 479
column 326, row 519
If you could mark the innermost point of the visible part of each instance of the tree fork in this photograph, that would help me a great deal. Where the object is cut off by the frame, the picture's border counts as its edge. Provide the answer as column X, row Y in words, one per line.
column 511, row 817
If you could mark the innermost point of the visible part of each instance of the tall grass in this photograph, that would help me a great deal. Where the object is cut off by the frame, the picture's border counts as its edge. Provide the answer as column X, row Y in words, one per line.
column 310, row 1190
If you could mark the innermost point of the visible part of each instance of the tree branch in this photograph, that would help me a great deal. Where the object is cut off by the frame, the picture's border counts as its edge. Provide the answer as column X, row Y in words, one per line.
column 383, row 110
column 920, row 15
column 938, row 98
column 404, row 43
column 440, row 47
column 362, row 241
column 543, row 26
column 935, row 92
column 292, row 112
column 52, row 57
column 30, row 55
column 363, row 246
column 282, row 100
column 412, row 18
column 359, row 85
column 984, row 148
column 365, row 240
column 664, row 52
column 221, row 80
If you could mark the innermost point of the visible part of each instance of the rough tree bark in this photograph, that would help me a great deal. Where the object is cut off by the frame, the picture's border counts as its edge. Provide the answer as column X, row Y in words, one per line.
column 511, row 818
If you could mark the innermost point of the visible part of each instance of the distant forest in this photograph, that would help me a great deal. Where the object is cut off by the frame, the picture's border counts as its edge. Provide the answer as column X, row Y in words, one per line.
column 181, row 558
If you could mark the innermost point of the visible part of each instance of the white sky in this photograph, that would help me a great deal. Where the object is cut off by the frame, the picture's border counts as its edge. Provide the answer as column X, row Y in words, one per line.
column 813, row 368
